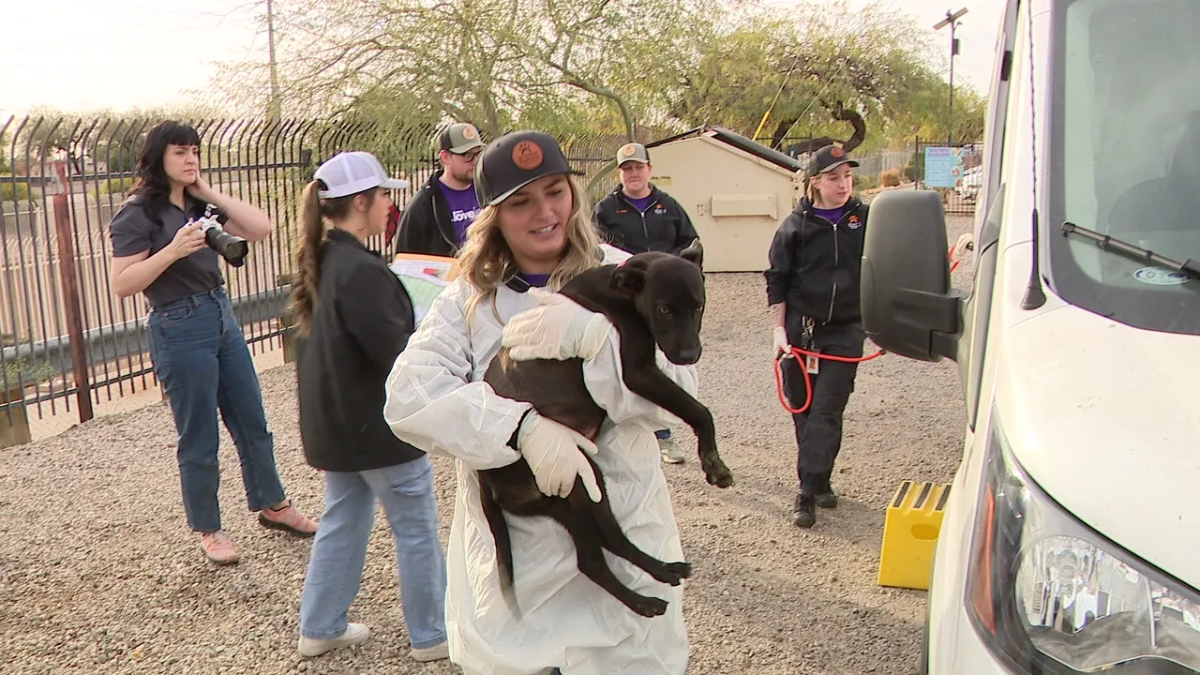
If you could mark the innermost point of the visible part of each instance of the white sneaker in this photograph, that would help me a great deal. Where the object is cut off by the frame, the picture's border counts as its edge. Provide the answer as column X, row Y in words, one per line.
column 356, row 633
column 671, row 454
column 434, row 653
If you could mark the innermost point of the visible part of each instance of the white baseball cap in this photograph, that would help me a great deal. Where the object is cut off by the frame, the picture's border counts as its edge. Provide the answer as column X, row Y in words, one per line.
column 348, row 173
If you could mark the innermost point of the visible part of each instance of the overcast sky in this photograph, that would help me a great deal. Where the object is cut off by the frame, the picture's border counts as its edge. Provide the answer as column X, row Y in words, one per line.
column 118, row 54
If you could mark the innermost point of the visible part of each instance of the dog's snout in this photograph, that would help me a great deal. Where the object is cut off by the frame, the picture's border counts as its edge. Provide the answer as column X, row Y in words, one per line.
column 687, row 357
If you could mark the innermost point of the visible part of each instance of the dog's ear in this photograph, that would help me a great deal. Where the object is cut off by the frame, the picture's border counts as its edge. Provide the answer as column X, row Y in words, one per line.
column 694, row 252
column 629, row 279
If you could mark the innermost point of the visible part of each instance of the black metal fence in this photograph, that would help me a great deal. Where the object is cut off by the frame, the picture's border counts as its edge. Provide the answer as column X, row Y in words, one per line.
column 961, row 163
column 67, row 341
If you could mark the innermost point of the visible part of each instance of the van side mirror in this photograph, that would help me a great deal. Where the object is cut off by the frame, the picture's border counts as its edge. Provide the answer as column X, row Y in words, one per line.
column 907, row 304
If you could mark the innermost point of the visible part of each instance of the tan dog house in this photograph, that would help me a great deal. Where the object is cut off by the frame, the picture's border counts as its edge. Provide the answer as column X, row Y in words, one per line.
column 735, row 190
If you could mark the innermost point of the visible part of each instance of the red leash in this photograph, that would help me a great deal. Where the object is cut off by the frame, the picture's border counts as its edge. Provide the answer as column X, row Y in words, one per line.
column 798, row 354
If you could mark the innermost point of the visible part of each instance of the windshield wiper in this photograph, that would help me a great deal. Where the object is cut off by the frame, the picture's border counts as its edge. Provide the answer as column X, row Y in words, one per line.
column 1189, row 267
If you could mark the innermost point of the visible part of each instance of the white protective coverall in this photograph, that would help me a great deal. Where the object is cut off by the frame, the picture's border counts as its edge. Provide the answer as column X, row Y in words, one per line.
column 437, row 401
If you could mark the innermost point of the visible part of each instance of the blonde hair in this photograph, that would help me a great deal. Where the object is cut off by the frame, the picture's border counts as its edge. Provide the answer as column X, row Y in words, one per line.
column 811, row 189
column 313, row 213
column 487, row 261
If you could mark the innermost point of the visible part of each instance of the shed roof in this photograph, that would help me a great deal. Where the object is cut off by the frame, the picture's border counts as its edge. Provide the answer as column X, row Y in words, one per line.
column 736, row 140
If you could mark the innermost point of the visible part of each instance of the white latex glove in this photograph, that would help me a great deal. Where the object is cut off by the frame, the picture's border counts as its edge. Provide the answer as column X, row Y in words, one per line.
column 964, row 243
column 554, row 453
column 558, row 328
column 781, row 341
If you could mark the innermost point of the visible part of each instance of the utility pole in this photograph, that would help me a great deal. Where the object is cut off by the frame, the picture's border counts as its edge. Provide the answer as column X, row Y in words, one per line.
column 274, row 109
column 952, row 20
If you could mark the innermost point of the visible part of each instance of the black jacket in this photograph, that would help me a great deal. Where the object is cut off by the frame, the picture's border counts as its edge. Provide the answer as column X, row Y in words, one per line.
column 425, row 225
column 362, row 321
column 664, row 226
column 815, row 265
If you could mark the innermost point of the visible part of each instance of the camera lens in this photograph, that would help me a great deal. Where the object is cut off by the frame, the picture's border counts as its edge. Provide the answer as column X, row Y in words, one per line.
column 231, row 247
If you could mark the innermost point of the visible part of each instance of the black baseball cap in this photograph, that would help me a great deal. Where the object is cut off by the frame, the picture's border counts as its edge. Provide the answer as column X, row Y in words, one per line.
column 515, row 160
column 828, row 158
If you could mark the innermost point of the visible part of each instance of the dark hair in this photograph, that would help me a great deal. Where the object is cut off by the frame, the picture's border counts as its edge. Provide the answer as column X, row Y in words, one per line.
column 313, row 212
column 153, row 188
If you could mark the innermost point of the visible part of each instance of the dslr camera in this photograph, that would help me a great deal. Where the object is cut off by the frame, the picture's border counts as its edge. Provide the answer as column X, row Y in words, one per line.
column 231, row 247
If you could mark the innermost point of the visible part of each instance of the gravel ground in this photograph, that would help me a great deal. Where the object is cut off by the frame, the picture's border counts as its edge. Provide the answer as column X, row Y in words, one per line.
column 98, row 573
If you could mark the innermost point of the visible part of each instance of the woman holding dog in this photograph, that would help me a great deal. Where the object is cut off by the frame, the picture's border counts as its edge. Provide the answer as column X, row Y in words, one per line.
column 535, row 231
column 815, row 262
column 354, row 317
column 199, row 354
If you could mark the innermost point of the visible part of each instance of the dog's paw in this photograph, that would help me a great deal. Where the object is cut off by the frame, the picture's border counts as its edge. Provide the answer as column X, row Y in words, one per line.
column 718, row 474
column 677, row 572
column 649, row 607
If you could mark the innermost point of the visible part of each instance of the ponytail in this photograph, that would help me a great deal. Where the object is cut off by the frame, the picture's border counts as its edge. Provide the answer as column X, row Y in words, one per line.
column 308, row 252
column 313, row 212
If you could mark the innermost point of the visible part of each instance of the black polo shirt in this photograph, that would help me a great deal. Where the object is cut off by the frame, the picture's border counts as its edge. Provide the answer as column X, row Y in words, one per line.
column 133, row 231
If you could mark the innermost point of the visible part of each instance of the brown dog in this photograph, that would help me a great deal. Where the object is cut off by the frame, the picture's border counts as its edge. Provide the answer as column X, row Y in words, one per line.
column 652, row 299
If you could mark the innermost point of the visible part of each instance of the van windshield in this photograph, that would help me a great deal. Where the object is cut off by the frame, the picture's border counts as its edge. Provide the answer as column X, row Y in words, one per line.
column 1125, row 115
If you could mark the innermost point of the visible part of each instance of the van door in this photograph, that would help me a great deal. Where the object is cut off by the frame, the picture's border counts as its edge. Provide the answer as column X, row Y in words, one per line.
column 989, row 216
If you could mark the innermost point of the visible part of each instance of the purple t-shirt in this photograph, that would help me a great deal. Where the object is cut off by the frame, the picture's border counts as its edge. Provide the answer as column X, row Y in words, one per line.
column 640, row 204
column 464, row 206
column 536, row 279
column 832, row 215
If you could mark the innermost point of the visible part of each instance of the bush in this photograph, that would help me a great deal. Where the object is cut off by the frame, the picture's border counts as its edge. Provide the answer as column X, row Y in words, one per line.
column 22, row 372
column 892, row 177
column 113, row 186
column 915, row 171
column 862, row 182
column 116, row 185
column 13, row 190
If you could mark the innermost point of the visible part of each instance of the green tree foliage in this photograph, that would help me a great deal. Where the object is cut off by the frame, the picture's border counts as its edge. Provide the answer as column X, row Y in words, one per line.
column 801, row 64
column 604, row 66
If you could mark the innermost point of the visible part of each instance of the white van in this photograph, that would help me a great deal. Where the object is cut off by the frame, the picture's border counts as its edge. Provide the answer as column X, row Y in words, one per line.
column 1071, row 541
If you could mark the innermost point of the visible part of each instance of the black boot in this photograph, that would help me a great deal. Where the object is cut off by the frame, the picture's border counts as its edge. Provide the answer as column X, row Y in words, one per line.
column 827, row 498
column 804, row 514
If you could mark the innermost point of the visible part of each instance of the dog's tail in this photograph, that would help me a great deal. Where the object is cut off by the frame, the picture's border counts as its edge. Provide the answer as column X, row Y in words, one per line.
column 504, row 557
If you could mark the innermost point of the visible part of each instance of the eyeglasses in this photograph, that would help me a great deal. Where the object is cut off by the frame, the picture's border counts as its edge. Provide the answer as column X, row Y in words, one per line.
column 471, row 156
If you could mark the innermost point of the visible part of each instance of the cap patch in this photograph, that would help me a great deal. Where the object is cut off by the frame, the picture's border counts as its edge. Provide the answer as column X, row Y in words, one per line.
column 527, row 155
column 837, row 152
column 469, row 133
column 628, row 150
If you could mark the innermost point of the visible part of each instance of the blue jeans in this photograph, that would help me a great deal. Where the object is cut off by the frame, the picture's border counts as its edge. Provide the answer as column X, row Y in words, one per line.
column 340, row 550
column 201, row 359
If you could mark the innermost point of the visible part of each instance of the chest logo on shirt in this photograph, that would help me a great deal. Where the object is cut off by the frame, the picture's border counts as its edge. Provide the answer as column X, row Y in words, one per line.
column 468, row 215
column 854, row 223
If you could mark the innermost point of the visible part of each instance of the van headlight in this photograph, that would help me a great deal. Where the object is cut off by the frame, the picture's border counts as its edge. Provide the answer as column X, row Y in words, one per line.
column 1049, row 595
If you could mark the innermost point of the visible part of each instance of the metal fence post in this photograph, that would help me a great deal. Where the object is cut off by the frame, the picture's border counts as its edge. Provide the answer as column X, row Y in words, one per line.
column 287, row 322
column 14, row 417
column 918, row 165
column 70, row 288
